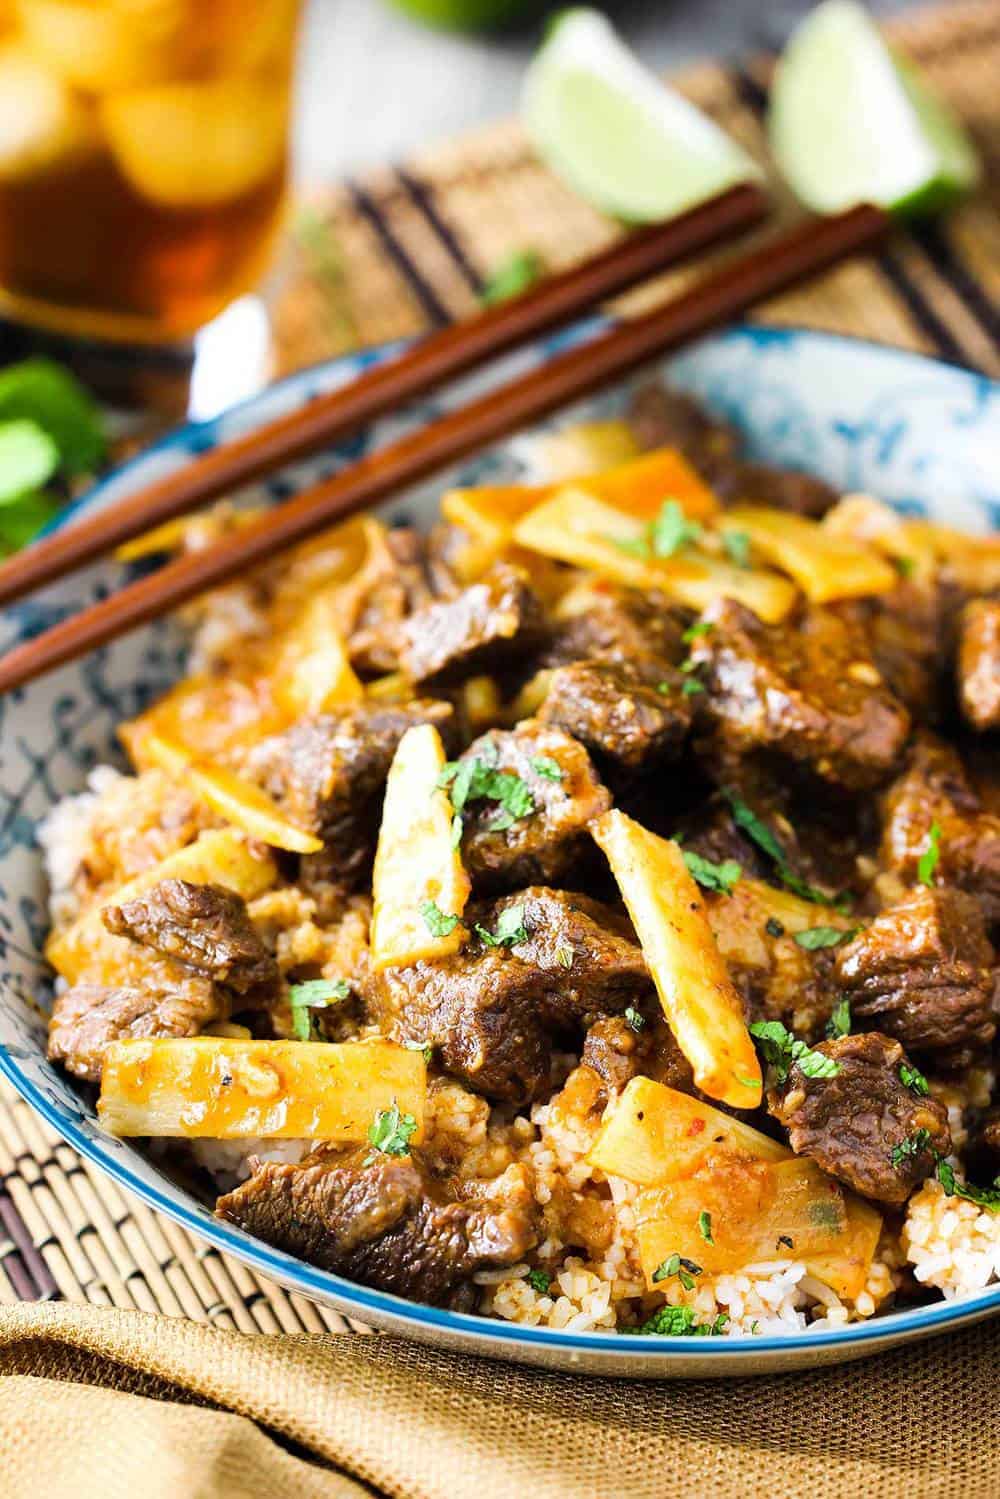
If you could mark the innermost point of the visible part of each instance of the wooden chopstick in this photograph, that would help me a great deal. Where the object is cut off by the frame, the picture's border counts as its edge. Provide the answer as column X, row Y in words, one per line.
column 742, row 283
column 443, row 356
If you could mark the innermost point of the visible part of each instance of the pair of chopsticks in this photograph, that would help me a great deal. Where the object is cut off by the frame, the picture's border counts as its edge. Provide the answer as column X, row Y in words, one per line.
column 791, row 257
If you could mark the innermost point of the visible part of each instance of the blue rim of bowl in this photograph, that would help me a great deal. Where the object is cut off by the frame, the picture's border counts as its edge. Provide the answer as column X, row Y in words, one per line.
column 361, row 1299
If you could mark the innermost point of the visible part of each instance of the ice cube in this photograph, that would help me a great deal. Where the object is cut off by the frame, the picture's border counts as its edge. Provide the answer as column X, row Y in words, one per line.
column 42, row 123
column 197, row 145
column 124, row 45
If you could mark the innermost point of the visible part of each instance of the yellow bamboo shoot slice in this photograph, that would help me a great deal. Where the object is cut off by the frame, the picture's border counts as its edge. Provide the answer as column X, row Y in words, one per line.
column 869, row 522
column 655, row 1134
column 738, row 921
column 824, row 565
column 974, row 561
column 238, row 801
column 417, row 865
column 314, row 673
column 217, row 1088
column 845, row 1265
column 219, row 857
column 700, row 1002
column 575, row 527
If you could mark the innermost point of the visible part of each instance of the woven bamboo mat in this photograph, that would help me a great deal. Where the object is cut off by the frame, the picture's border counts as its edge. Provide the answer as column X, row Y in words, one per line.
column 404, row 250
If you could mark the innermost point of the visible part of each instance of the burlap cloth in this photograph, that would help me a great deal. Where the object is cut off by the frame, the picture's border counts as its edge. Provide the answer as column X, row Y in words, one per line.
column 102, row 1404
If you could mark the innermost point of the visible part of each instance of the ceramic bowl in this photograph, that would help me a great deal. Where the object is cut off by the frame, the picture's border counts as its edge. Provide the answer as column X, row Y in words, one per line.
column 916, row 432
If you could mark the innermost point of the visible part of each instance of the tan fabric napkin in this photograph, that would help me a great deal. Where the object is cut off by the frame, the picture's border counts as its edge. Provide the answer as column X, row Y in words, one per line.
column 99, row 1404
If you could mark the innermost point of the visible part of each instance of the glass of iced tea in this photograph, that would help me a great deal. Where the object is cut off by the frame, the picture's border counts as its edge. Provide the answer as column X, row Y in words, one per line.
column 143, row 160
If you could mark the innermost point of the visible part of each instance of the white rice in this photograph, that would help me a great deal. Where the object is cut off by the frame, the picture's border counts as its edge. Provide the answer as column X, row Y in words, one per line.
column 953, row 1245
column 64, row 837
column 229, row 1160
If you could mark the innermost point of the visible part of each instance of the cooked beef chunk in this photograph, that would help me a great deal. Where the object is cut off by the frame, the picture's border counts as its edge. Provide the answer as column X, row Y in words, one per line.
column 979, row 663
column 88, row 1017
column 547, row 841
column 486, row 626
column 329, row 774
column 923, row 972
column 934, row 790
column 904, row 630
column 490, row 1009
column 617, row 1052
column 664, row 418
column 386, row 1222
column 401, row 582
column 781, row 488
column 807, row 689
column 204, row 926
column 863, row 1125
column 618, row 624
column 634, row 715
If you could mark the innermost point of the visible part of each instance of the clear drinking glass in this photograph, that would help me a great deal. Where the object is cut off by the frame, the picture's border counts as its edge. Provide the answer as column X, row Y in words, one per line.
column 143, row 160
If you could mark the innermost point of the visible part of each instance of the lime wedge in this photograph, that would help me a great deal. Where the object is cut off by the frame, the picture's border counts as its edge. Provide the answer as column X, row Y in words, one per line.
column 851, row 123
column 608, row 127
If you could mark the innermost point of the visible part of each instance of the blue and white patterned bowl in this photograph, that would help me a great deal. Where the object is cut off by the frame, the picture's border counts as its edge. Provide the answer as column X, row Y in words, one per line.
column 921, row 434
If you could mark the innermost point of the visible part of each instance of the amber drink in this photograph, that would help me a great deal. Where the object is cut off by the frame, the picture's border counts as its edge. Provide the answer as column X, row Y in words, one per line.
column 143, row 160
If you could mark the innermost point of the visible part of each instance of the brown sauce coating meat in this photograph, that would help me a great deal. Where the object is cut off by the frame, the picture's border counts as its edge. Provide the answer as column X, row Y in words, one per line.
column 617, row 624
column 549, row 842
column 864, row 1125
column 782, row 489
column 618, row 1052
column 88, row 1017
column 904, row 630
column 486, row 626
column 203, row 926
column 978, row 666
column 633, row 715
column 405, row 580
column 491, row 1012
column 935, row 790
column 386, row 1222
column 807, row 689
column 329, row 773
column 923, row 973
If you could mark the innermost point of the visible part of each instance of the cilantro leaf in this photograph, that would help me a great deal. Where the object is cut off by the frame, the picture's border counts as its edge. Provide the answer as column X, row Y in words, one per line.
column 424, row 1047
column 705, row 1226
column 691, row 687
column 635, row 1019
column 314, row 994
column 912, row 1146
column 543, row 765
column 700, row 627
column 759, row 833
column 28, row 459
column 906, row 566
column 815, row 937
column 928, row 861
column 510, row 929
column 672, row 530
column 737, row 547
column 539, row 1280
column 439, row 923
column 678, row 1321
column 512, row 277
column 390, row 1132
column 839, row 1023
column 41, row 391
column 781, row 1049
column 913, row 1078
column 984, row 1197
column 478, row 780
column 713, row 876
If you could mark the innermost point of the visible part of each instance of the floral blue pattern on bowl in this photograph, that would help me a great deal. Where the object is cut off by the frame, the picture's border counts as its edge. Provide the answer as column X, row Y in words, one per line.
column 921, row 434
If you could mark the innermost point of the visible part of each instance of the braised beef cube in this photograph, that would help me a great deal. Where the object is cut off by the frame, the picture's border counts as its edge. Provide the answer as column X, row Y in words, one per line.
column 979, row 663
column 549, row 961
column 864, row 1125
column 618, row 624
column 904, row 630
column 484, row 628
column 664, row 418
column 618, row 1051
column 386, row 1222
column 204, row 926
column 807, row 689
column 923, row 973
column 780, row 488
column 538, row 832
column 398, row 582
column 329, row 774
column 632, row 714
column 88, row 1017
column 934, row 793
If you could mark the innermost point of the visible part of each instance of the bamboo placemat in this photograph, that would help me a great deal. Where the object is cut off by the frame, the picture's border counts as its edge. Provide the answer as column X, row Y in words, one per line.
column 406, row 249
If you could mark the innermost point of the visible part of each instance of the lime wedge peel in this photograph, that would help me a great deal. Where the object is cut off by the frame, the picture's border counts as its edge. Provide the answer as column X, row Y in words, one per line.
column 851, row 123
column 615, row 134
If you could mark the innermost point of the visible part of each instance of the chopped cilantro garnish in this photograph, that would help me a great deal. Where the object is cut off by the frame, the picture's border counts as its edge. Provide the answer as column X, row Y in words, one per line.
column 678, row 1321
column 664, row 536
column 907, row 566
column 390, row 1132
column 839, row 1023
column 564, row 955
column 984, row 1197
column 539, row 1280
column 823, row 936
column 912, row 1146
column 737, row 545
column 510, row 929
column 781, row 1049
column 928, row 861
column 665, row 689
column 773, row 927
column 705, row 1226
column 634, row 1018
column 684, row 1270
column 544, row 766
column 913, row 1078
column 479, row 780
column 424, row 1047
column 691, row 687
column 313, row 994
column 512, row 277
column 713, row 876
column 700, row 627
column 439, row 923
column 746, row 818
